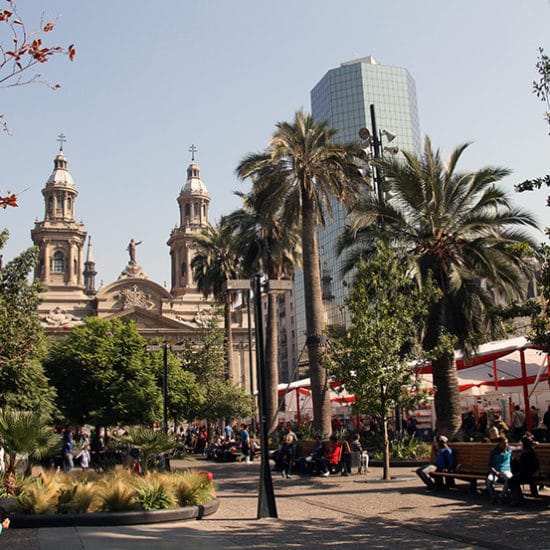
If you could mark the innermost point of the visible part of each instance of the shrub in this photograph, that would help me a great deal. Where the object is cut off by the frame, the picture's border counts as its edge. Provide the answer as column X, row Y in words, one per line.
column 117, row 493
column 154, row 493
column 192, row 488
column 41, row 496
column 81, row 498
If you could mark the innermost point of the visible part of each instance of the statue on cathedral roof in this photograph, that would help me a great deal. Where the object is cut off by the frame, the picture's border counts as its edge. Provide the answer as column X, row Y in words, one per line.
column 131, row 248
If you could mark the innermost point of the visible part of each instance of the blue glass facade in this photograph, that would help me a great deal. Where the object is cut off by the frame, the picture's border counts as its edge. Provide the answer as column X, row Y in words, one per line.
column 343, row 98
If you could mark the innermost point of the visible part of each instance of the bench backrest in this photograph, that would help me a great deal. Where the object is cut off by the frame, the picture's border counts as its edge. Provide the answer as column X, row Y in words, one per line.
column 474, row 457
column 543, row 452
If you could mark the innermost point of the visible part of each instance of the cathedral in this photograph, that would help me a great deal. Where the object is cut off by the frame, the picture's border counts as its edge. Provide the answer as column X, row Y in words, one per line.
column 67, row 268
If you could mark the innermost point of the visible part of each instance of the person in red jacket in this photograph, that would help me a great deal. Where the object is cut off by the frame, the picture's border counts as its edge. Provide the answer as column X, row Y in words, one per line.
column 332, row 456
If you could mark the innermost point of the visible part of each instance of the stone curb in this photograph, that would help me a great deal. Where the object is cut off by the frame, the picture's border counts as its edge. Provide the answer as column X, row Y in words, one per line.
column 19, row 521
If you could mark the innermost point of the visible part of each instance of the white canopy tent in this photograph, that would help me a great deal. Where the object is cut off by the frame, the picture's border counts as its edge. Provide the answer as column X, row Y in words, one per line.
column 512, row 369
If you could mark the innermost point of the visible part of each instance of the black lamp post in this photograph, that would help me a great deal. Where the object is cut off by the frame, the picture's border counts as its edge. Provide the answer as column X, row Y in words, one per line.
column 157, row 347
column 375, row 141
column 266, row 496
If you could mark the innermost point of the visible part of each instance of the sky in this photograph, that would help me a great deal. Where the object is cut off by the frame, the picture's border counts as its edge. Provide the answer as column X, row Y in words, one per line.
column 152, row 78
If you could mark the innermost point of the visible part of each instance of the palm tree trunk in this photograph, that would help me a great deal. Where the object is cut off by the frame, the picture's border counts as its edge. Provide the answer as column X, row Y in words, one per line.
column 229, row 374
column 447, row 396
column 315, row 317
column 271, row 358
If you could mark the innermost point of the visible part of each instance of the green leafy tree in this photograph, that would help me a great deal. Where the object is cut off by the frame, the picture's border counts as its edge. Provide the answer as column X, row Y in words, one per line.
column 455, row 228
column 215, row 262
column 266, row 245
column 540, row 318
column 23, row 383
column 299, row 174
column 184, row 390
column 102, row 375
column 373, row 359
column 204, row 356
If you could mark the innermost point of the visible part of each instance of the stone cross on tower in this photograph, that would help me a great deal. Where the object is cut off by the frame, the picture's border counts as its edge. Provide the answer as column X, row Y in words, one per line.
column 61, row 139
column 193, row 150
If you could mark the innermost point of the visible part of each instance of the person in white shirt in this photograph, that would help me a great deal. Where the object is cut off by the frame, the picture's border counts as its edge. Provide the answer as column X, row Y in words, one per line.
column 84, row 457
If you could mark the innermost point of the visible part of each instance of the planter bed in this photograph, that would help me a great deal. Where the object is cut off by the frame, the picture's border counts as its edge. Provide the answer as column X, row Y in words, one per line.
column 22, row 521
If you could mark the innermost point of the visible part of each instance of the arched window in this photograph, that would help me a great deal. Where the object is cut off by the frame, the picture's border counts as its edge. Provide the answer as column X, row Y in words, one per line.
column 50, row 204
column 187, row 209
column 69, row 204
column 59, row 203
column 196, row 210
column 183, row 269
column 58, row 262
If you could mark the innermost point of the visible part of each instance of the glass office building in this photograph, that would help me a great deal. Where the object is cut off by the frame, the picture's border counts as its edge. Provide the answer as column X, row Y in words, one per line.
column 343, row 98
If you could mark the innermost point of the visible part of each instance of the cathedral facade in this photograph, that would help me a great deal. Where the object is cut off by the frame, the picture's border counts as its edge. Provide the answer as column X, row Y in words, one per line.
column 67, row 268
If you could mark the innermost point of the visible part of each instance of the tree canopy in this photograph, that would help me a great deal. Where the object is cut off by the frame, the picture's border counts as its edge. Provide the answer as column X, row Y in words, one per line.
column 373, row 359
column 204, row 356
column 103, row 376
column 300, row 174
column 23, row 383
column 457, row 229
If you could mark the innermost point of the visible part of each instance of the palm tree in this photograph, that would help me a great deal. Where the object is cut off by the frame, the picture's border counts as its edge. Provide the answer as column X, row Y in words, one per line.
column 26, row 436
column 298, row 174
column 266, row 244
column 214, row 263
column 456, row 228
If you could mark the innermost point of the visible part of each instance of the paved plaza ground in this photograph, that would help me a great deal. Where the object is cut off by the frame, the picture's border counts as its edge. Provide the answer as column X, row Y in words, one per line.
column 316, row 512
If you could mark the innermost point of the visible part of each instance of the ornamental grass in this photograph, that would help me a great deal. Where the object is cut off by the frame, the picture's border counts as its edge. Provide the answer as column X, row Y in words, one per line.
column 84, row 492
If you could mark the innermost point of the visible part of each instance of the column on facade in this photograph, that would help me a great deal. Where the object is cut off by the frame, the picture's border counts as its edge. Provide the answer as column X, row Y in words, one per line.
column 46, row 259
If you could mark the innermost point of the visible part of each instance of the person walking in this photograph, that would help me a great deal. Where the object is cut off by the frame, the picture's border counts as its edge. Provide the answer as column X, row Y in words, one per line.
column 518, row 423
column 245, row 443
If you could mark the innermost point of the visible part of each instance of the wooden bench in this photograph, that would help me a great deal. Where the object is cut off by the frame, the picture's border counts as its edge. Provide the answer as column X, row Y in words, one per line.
column 304, row 448
column 472, row 464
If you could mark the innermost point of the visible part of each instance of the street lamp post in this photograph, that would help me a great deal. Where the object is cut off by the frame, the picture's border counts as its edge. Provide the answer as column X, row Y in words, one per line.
column 164, row 347
column 266, row 495
column 375, row 141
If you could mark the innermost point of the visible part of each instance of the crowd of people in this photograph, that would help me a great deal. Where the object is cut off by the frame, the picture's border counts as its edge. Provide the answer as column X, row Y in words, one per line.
column 491, row 425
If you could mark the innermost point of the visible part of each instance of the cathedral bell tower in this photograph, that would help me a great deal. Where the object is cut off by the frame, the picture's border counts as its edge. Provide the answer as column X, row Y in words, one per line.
column 58, row 236
column 193, row 202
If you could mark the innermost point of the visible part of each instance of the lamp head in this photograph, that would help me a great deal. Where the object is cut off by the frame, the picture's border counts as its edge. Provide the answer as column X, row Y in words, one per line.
column 389, row 136
column 364, row 133
column 391, row 150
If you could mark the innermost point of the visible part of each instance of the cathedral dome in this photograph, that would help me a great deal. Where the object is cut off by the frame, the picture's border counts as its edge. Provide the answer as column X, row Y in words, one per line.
column 60, row 174
column 194, row 184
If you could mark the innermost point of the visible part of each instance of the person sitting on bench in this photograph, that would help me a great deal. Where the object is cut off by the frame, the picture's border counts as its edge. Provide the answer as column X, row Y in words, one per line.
column 500, row 468
column 443, row 462
column 524, row 469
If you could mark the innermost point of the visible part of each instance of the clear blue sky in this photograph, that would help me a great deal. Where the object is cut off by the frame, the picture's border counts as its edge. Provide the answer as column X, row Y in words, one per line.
column 151, row 78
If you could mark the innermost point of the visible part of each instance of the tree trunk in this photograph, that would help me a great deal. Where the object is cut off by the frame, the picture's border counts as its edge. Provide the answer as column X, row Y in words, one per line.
column 315, row 317
column 447, row 396
column 271, row 359
column 386, row 439
column 229, row 374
